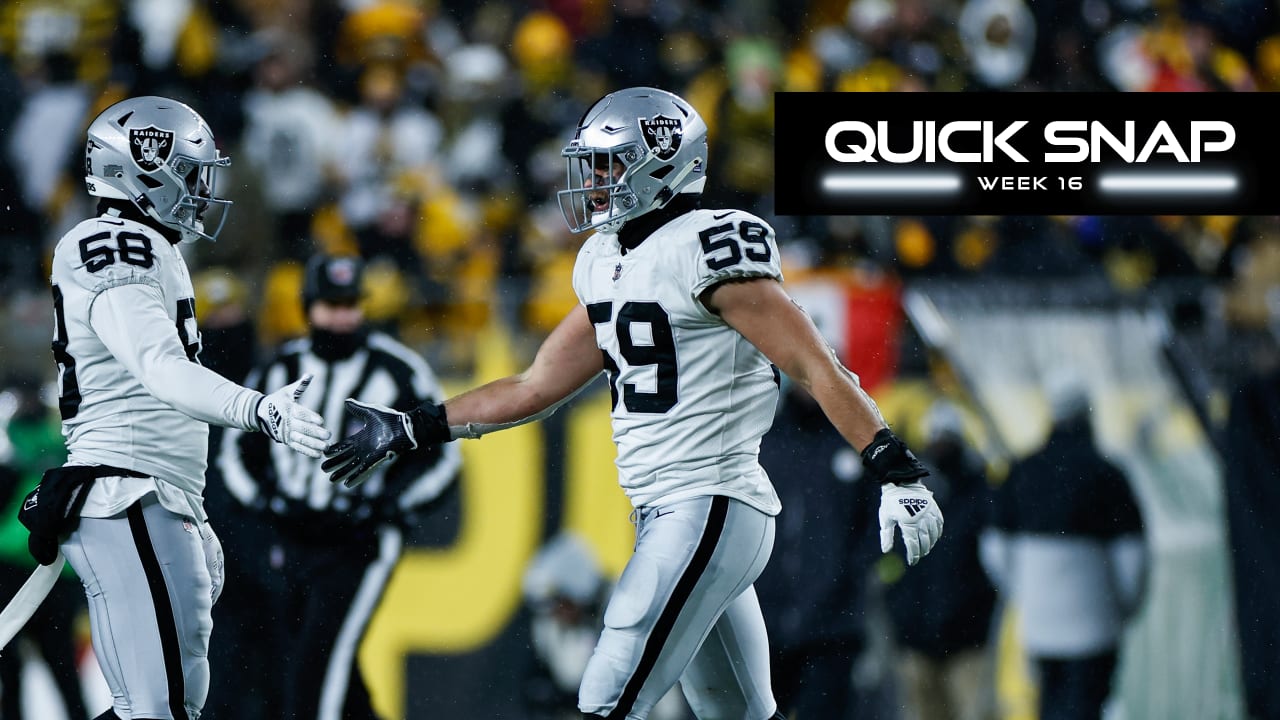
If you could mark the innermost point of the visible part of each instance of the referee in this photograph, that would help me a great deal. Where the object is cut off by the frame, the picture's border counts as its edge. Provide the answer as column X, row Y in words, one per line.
column 336, row 547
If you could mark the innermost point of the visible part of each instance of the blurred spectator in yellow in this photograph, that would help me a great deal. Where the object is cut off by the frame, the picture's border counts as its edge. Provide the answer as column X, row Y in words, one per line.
column 388, row 143
column 1251, row 298
column 390, row 33
column 553, row 93
column 742, row 138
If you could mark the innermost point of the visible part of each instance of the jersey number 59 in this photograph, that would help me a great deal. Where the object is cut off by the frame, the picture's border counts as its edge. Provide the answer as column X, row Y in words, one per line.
column 657, row 347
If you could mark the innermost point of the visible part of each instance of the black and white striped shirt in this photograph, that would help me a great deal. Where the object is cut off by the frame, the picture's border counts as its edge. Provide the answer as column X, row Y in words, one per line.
column 271, row 477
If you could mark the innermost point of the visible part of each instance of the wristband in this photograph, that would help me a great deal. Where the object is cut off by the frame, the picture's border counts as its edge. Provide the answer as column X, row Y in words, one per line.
column 887, row 460
column 430, row 424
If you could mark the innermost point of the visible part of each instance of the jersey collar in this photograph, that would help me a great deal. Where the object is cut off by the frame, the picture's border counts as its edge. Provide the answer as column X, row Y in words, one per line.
column 636, row 231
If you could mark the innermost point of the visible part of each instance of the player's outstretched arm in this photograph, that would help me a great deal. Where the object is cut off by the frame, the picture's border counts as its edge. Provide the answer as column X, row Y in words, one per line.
column 566, row 361
column 765, row 315
column 131, row 322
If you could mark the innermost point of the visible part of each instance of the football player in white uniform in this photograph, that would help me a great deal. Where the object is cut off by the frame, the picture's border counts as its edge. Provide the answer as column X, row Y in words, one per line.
column 127, row 508
column 685, row 311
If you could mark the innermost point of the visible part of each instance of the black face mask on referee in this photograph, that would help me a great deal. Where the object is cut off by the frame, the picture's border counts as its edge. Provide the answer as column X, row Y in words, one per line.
column 333, row 346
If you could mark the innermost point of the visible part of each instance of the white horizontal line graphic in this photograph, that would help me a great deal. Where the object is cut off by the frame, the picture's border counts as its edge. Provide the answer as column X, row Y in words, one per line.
column 1134, row 183
column 896, row 183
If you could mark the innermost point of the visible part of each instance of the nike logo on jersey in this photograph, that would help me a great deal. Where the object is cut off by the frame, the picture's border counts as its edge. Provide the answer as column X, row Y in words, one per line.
column 658, row 513
column 721, row 216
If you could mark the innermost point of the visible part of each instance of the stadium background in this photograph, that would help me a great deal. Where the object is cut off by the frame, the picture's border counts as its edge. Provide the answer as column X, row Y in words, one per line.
column 425, row 136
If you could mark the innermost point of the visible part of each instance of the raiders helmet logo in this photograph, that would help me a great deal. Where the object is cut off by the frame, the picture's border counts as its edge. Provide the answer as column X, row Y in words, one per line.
column 662, row 134
column 150, row 147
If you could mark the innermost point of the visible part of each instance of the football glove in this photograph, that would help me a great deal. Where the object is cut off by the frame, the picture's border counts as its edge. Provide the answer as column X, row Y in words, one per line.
column 887, row 460
column 910, row 508
column 386, row 435
column 285, row 421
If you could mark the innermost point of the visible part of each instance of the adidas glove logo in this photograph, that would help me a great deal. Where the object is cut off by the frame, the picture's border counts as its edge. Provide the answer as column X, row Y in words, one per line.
column 914, row 505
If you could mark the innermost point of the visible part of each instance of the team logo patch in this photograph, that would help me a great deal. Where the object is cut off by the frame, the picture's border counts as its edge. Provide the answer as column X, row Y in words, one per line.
column 617, row 271
column 342, row 271
column 662, row 134
column 150, row 146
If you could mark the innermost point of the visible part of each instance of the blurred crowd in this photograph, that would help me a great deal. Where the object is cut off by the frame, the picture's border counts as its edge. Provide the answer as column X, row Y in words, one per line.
column 424, row 135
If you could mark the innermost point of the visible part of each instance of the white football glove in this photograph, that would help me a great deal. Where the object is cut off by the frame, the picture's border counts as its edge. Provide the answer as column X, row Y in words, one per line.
column 911, row 508
column 285, row 421
column 213, row 559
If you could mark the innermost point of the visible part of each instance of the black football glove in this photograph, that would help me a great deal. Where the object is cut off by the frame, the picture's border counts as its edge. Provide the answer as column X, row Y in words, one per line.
column 887, row 460
column 386, row 435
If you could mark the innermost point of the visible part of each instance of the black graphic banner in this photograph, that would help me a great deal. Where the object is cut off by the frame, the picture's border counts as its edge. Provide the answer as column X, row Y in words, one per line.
column 1026, row 153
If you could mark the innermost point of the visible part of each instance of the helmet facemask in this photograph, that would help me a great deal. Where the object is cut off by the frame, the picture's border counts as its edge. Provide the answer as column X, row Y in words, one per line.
column 597, row 193
column 191, row 214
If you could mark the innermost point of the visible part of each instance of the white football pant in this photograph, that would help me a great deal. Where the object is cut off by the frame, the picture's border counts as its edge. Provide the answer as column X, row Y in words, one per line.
column 150, row 608
column 684, row 610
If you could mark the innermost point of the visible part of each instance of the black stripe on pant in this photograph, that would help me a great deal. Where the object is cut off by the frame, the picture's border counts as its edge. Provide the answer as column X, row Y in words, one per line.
column 165, row 624
column 679, row 597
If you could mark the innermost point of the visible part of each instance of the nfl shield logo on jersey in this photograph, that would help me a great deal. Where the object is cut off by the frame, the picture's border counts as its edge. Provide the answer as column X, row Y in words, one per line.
column 617, row 272
column 662, row 134
column 150, row 146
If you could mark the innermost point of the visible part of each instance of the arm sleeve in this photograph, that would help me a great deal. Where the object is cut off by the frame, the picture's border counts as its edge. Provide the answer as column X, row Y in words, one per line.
column 133, row 325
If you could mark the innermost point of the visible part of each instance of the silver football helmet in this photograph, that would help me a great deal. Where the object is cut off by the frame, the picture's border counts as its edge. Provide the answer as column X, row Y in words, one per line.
column 160, row 155
column 633, row 151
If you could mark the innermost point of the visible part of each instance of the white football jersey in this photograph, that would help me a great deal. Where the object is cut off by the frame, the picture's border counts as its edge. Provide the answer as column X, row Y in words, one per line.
column 132, row 393
column 691, row 396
